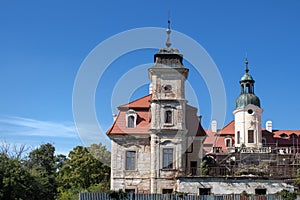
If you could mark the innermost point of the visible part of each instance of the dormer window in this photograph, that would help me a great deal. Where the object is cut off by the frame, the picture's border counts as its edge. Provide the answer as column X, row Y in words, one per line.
column 283, row 135
column 131, row 117
column 293, row 135
column 228, row 142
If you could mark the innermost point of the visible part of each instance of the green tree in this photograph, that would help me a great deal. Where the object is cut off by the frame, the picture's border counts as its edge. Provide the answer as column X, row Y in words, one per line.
column 42, row 166
column 15, row 180
column 82, row 172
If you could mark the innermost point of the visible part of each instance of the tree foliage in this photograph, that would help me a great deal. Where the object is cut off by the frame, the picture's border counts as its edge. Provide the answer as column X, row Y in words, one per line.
column 43, row 175
column 83, row 171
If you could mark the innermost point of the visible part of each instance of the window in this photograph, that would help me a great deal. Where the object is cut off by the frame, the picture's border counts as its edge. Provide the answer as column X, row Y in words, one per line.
column 130, row 160
column 167, row 191
column 131, row 117
column 260, row 191
column 293, row 135
column 263, row 141
column 238, row 137
column 130, row 190
column 167, row 88
column 250, row 136
column 167, row 158
column 228, row 142
column 168, row 117
column 283, row 135
column 193, row 166
column 130, row 122
column 204, row 191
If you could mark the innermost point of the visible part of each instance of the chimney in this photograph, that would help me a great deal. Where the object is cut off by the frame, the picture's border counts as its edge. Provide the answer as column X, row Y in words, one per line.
column 150, row 88
column 269, row 126
column 214, row 126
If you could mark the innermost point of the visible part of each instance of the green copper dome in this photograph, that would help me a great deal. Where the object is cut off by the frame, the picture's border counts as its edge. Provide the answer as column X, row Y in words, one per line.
column 247, row 95
column 247, row 77
column 245, row 99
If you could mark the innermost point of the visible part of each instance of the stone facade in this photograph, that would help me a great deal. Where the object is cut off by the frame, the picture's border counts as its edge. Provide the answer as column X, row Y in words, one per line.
column 159, row 137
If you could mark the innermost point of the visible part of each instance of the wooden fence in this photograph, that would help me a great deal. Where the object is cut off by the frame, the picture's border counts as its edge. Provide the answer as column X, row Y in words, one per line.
column 131, row 196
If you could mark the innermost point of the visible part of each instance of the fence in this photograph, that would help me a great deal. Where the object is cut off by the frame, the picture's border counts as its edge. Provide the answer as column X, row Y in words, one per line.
column 131, row 196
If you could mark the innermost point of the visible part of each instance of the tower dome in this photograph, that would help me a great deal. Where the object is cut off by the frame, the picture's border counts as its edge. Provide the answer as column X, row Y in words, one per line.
column 247, row 95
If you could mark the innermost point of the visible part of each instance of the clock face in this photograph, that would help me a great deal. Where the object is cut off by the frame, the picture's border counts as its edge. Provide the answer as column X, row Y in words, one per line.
column 167, row 88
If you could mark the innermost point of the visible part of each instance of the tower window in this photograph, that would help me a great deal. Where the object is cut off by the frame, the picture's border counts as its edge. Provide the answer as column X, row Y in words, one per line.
column 238, row 137
column 250, row 136
column 168, row 158
column 168, row 117
column 167, row 88
column 250, row 111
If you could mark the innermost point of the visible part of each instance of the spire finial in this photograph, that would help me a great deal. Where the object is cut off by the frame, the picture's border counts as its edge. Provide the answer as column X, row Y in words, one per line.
column 168, row 43
column 246, row 63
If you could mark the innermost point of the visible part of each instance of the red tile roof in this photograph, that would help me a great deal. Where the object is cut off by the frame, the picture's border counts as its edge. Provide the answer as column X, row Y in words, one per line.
column 142, row 102
column 141, row 107
column 272, row 138
column 228, row 129
column 143, row 118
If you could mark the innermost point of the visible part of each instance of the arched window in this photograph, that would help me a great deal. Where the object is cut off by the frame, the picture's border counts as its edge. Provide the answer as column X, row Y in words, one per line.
column 168, row 117
column 130, row 122
column 131, row 117
column 228, row 142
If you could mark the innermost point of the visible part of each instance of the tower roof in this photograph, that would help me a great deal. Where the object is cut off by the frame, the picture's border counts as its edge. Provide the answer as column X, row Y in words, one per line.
column 246, row 77
column 247, row 95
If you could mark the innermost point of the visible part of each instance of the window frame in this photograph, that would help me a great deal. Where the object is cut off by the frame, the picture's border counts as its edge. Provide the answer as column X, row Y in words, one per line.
column 230, row 142
column 129, row 114
column 166, row 156
column 238, row 137
column 168, row 118
column 250, row 139
column 129, row 165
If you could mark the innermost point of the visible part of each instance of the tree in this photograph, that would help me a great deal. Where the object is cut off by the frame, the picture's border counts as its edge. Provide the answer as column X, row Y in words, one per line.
column 42, row 166
column 15, row 180
column 83, row 172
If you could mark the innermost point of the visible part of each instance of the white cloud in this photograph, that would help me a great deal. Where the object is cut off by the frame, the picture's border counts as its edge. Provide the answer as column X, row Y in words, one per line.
column 31, row 127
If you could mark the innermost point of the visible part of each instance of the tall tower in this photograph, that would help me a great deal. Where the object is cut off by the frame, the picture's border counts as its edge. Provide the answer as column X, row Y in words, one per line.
column 168, row 107
column 247, row 114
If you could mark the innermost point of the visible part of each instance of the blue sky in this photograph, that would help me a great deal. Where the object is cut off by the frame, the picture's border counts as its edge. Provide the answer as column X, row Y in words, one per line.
column 43, row 44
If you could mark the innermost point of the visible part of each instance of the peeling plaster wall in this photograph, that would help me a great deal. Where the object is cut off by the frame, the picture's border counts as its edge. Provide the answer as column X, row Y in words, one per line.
column 231, row 186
